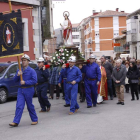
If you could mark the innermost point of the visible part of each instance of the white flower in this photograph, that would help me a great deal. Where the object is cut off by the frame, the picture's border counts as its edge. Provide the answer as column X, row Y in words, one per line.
column 53, row 57
column 54, row 61
column 62, row 53
column 58, row 60
column 56, row 54
column 63, row 57
column 67, row 54
column 65, row 49
column 71, row 50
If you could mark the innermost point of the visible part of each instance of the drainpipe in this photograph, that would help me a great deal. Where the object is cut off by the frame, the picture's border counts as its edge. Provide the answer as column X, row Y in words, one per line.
column 40, row 30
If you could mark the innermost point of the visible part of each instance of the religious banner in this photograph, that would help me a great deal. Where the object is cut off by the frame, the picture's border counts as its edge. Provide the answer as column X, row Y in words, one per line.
column 11, row 36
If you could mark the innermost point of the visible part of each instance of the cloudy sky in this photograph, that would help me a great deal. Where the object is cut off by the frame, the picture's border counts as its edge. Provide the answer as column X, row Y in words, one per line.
column 79, row 9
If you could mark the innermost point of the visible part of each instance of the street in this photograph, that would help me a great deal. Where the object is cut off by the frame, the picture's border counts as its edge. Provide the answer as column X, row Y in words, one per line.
column 107, row 121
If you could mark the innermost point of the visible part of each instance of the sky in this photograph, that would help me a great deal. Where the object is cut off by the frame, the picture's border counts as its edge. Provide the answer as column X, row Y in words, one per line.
column 80, row 9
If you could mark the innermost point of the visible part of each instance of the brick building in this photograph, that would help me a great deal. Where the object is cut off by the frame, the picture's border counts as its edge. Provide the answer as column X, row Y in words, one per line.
column 100, row 28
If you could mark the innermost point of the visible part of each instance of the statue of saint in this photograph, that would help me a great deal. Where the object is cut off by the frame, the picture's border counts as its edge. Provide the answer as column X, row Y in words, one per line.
column 67, row 30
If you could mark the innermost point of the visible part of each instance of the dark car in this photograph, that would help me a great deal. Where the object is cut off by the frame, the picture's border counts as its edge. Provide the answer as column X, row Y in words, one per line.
column 8, row 87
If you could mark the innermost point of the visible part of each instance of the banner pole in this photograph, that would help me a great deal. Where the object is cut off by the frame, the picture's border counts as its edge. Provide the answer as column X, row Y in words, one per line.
column 18, row 58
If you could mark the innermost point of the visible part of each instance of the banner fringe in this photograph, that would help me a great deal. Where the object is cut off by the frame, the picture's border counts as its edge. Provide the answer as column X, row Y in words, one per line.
column 12, row 55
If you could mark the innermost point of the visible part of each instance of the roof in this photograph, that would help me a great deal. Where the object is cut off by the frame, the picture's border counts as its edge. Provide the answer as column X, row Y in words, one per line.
column 119, row 37
column 75, row 25
column 109, row 13
column 83, row 20
column 133, row 13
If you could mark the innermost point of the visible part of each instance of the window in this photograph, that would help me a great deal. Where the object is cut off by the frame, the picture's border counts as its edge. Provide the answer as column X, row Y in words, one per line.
column 33, row 66
column 25, row 34
column 13, row 70
column 2, row 70
column 75, row 36
column 139, row 26
column 75, row 30
column 77, row 43
column 44, row 21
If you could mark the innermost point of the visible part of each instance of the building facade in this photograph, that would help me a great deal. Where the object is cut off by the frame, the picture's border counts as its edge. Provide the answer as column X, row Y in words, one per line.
column 75, row 36
column 120, row 45
column 133, row 33
column 31, row 21
column 100, row 28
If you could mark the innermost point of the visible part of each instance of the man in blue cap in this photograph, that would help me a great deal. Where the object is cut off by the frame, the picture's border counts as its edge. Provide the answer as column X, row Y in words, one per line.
column 42, row 85
column 92, row 78
column 25, row 92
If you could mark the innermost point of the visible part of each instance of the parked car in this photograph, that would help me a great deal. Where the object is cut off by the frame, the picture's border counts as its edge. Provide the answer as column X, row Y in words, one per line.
column 8, row 87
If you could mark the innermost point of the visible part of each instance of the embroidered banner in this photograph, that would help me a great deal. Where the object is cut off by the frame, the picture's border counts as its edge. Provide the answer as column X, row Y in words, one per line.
column 11, row 36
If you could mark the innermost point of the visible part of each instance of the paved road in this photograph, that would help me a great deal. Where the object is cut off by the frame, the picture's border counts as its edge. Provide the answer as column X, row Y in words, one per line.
column 105, row 122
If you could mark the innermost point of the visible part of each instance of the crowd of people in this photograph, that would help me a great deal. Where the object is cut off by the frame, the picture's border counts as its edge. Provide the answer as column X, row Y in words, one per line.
column 96, row 81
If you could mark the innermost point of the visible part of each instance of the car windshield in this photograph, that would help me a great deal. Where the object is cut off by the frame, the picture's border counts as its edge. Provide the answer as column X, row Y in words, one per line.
column 2, row 70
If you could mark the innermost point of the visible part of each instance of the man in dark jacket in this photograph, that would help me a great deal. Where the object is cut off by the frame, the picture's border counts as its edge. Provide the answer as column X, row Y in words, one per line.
column 119, row 75
column 42, row 85
column 108, row 67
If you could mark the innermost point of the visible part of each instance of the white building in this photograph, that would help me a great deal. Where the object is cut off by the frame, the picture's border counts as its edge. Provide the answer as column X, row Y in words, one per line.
column 76, row 36
column 133, row 33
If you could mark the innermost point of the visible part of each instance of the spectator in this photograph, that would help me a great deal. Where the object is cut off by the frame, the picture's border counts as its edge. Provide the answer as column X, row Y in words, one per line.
column 138, row 64
column 119, row 75
column 108, row 67
column 82, row 86
column 126, row 79
column 133, row 76
column 54, row 78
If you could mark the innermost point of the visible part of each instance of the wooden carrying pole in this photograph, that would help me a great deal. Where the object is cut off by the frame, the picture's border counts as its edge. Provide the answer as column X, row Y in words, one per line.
column 18, row 58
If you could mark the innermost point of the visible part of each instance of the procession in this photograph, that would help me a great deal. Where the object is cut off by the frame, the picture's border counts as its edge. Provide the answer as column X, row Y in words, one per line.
column 80, row 81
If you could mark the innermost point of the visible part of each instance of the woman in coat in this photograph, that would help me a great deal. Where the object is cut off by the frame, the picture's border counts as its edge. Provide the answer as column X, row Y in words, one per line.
column 133, row 76
column 126, row 79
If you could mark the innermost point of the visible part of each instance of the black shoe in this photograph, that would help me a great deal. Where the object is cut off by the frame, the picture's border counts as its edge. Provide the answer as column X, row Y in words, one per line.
column 63, row 98
column 89, row 106
column 137, row 98
column 111, row 98
column 82, row 100
column 115, row 96
column 67, row 105
column 119, row 103
column 132, row 99
column 122, row 103
column 94, row 105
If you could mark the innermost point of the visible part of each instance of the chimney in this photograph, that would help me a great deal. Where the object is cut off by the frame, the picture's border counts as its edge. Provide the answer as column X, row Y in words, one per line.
column 122, row 11
column 117, row 9
column 100, row 11
column 93, row 11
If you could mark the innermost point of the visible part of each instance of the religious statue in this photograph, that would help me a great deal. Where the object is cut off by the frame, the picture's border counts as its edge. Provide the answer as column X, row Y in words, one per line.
column 8, row 33
column 67, row 29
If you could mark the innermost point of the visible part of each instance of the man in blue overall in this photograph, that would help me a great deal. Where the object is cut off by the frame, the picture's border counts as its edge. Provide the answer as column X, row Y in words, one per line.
column 74, row 76
column 25, row 92
column 42, row 85
column 92, row 79
column 63, row 76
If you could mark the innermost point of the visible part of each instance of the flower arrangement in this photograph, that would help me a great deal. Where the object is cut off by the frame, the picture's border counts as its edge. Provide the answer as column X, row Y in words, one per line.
column 62, row 56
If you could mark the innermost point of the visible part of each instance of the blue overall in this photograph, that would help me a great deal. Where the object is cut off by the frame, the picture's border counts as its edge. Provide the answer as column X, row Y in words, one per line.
column 73, row 74
column 26, row 94
column 63, row 76
column 42, row 80
column 92, row 71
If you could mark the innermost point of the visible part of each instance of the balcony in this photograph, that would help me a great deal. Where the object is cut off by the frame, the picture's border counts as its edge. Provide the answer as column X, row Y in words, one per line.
column 122, row 49
column 132, row 37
